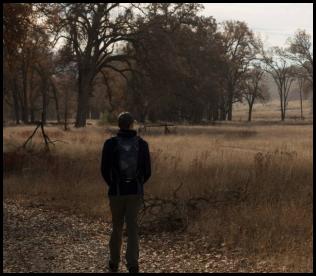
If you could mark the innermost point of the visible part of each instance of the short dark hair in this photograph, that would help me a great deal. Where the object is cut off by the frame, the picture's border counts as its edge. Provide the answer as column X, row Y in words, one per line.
column 125, row 120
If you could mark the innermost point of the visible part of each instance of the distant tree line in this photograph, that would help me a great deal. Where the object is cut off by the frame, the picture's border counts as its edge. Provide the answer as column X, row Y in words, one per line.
column 161, row 61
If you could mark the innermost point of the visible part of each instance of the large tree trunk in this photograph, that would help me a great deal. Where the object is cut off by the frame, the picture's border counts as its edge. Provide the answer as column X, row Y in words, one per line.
column 301, row 105
column 25, row 108
column 281, row 105
column 15, row 93
column 215, row 114
column 83, row 101
column 31, row 96
column 32, row 111
column 230, row 104
column 284, row 109
column 301, row 98
column 143, row 114
column 44, row 106
column 45, row 91
column 66, row 110
column 250, row 112
column 56, row 101
column 282, row 113
column 142, row 117
column 222, row 114
column 222, row 110
column 25, row 99
column 230, row 112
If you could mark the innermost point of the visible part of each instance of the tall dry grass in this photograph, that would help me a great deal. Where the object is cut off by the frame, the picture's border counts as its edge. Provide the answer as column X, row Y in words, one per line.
column 271, row 111
column 275, row 161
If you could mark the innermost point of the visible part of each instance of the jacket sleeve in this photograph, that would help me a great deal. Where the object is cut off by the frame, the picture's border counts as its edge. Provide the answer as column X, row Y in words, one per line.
column 106, row 162
column 147, row 163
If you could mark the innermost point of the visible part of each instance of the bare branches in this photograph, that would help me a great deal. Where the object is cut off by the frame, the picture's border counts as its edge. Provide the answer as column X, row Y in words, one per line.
column 108, row 59
column 279, row 67
column 121, row 72
column 139, row 8
column 300, row 51
column 240, row 50
column 30, row 138
column 176, row 210
column 253, row 88
column 45, row 137
column 47, row 140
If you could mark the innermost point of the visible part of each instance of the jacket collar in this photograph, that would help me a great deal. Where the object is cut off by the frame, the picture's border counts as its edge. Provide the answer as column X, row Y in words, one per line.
column 127, row 133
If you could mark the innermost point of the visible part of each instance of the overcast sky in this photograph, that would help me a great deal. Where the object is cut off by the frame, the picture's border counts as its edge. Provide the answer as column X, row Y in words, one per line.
column 275, row 21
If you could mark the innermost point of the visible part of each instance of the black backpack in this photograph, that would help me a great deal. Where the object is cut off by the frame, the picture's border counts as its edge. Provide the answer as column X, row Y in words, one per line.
column 127, row 149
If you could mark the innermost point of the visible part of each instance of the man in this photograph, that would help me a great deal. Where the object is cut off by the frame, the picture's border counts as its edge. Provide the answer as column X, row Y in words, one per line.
column 125, row 167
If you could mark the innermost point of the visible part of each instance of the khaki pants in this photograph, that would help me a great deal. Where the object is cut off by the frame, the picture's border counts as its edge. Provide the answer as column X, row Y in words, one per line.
column 125, row 207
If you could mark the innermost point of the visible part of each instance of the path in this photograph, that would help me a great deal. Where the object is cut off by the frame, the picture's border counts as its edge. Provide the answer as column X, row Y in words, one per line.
column 40, row 240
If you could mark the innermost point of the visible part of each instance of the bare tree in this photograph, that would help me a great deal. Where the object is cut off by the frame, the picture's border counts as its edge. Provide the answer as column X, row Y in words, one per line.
column 16, row 22
column 300, row 85
column 65, row 84
column 55, row 96
column 303, row 85
column 254, row 88
column 279, row 67
column 93, row 31
column 27, row 69
column 241, row 48
column 300, row 51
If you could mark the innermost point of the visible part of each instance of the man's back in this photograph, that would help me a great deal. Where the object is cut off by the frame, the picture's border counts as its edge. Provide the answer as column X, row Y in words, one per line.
column 110, row 165
column 125, row 167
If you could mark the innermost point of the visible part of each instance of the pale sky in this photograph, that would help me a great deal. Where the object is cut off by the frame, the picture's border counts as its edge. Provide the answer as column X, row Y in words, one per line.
column 275, row 21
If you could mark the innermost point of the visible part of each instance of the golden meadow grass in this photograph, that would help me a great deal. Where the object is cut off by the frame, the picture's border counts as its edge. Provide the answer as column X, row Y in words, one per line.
column 274, row 221
column 271, row 110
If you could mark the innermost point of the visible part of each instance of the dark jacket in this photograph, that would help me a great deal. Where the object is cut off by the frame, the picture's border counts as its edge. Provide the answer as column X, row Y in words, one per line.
column 109, row 166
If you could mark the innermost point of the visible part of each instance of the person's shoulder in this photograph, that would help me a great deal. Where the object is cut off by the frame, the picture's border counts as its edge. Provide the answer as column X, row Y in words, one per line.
column 142, row 141
column 110, row 141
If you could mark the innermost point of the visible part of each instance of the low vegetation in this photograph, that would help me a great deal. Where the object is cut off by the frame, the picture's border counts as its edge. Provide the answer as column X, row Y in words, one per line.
column 256, row 182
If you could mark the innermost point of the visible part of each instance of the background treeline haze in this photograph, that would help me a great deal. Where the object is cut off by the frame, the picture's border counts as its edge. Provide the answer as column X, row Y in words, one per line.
column 161, row 61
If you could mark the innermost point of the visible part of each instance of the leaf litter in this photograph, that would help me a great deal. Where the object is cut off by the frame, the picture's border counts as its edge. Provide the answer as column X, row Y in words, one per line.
column 41, row 240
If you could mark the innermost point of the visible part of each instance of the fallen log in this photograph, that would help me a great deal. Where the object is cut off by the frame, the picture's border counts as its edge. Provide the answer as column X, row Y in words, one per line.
column 167, row 130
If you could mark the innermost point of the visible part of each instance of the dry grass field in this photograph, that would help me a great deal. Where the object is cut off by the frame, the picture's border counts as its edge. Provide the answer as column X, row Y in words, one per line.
column 269, row 164
column 271, row 111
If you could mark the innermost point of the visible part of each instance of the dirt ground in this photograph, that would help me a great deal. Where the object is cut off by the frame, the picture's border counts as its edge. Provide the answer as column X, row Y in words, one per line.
column 41, row 240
